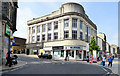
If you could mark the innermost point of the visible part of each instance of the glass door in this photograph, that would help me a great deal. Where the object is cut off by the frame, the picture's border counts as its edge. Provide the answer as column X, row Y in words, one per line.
column 78, row 54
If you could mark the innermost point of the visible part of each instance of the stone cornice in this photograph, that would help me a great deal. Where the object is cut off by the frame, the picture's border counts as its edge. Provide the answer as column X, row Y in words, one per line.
column 65, row 14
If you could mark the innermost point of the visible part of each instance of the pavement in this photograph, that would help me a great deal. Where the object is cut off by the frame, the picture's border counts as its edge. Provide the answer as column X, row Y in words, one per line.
column 20, row 63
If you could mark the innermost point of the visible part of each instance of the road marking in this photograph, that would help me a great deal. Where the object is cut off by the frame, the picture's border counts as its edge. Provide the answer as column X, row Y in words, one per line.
column 104, row 69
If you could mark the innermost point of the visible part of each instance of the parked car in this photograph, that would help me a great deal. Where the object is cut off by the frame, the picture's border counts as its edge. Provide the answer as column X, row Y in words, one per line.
column 45, row 56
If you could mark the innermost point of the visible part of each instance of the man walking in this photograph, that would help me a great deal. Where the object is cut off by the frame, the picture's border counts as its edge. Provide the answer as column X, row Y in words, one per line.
column 110, row 61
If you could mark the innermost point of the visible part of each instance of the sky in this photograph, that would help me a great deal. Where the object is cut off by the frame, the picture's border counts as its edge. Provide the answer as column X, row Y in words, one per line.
column 103, row 14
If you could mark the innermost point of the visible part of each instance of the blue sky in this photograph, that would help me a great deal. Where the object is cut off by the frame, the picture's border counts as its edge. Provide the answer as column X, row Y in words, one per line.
column 103, row 14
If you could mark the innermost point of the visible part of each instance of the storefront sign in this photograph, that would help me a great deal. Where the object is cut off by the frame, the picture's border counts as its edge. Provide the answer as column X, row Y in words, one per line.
column 57, row 47
column 7, row 30
column 73, row 47
column 47, row 48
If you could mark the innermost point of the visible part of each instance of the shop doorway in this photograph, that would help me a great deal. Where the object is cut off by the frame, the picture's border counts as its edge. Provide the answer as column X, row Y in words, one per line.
column 78, row 54
column 84, row 55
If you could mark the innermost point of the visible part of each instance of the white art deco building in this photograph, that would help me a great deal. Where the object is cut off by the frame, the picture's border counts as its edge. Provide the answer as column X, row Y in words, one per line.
column 65, row 32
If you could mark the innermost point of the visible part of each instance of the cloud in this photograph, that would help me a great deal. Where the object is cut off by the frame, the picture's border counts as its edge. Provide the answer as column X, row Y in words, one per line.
column 23, row 15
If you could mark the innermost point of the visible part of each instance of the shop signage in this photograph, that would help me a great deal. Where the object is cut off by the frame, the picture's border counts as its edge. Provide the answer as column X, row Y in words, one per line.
column 73, row 47
column 47, row 48
column 7, row 30
column 57, row 47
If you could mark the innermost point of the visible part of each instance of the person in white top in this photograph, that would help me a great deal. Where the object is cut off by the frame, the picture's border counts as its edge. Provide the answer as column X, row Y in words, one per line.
column 104, row 60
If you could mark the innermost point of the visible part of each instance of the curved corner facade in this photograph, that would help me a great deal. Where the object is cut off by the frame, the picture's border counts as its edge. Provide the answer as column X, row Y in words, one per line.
column 65, row 32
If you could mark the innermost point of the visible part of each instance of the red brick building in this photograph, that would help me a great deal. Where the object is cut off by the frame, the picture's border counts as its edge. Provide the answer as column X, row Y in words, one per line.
column 18, row 45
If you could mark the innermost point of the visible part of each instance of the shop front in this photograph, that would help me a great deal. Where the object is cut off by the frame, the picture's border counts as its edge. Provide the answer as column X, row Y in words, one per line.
column 34, row 48
column 75, row 52
column 48, row 50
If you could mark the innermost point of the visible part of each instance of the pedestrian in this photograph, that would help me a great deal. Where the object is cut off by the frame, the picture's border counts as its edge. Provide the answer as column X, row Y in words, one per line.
column 110, row 59
column 8, row 58
column 103, row 60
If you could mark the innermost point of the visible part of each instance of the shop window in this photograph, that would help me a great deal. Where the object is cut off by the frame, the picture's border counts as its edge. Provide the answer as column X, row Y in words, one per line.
column 49, row 27
column 56, row 35
column 43, row 28
column 71, row 53
column 55, row 25
column 74, row 34
column 62, row 53
column 74, row 23
column 66, row 23
column 66, row 34
column 49, row 36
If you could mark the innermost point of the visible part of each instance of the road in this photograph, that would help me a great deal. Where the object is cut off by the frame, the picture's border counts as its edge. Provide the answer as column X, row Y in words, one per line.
column 46, row 66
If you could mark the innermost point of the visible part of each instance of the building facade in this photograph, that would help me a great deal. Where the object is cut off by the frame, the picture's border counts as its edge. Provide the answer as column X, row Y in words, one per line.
column 108, row 48
column 65, row 32
column 8, row 26
column 114, row 50
column 101, row 37
column 19, row 45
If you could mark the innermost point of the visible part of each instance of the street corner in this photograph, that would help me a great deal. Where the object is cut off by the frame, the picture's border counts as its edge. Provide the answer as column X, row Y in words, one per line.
column 20, row 64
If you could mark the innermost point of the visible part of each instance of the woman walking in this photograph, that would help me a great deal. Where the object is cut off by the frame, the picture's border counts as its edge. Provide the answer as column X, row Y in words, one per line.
column 110, row 61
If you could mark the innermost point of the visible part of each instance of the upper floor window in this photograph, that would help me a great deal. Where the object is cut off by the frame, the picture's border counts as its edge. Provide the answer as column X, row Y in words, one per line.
column 43, row 28
column 49, row 26
column 74, row 23
column 66, row 34
column 38, row 37
column 81, row 35
column 33, row 29
column 74, row 34
column 43, row 37
column 38, row 29
column 66, row 23
column 86, row 28
column 33, row 38
column 86, row 37
column 49, row 36
column 55, row 25
column 81, row 24
column 56, row 35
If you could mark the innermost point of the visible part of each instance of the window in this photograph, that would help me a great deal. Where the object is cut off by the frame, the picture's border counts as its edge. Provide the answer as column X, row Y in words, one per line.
column 55, row 25
column 74, row 34
column 38, row 37
column 43, row 28
column 38, row 29
column 9, row 12
column 86, row 37
column 66, row 23
column 56, row 35
column 86, row 28
column 66, row 34
column 33, row 29
column 49, row 36
column 74, row 23
column 43, row 37
column 33, row 38
column 81, row 36
column 49, row 26
column 81, row 23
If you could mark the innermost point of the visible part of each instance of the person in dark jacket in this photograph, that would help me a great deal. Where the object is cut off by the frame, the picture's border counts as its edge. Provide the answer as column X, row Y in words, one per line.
column 8, row 58
column 110, row 59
